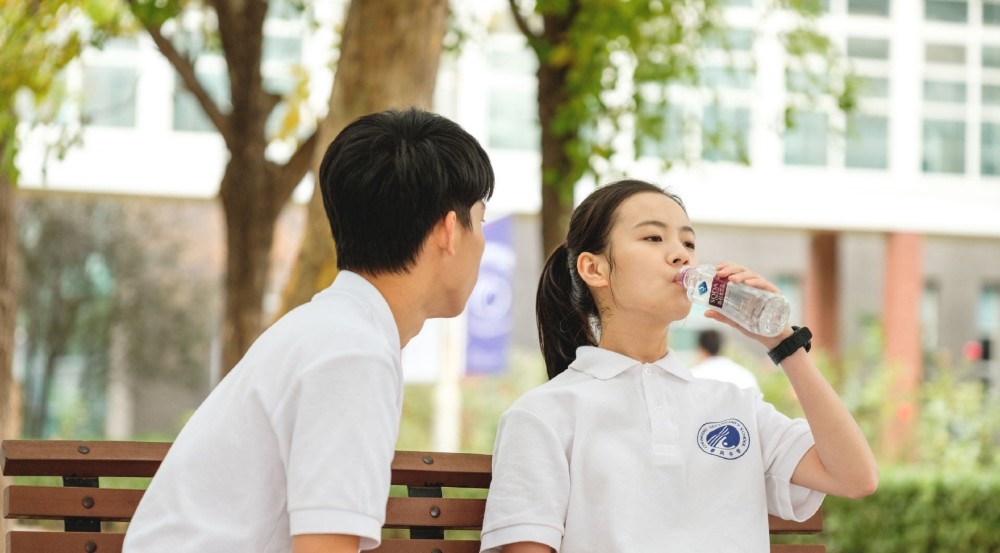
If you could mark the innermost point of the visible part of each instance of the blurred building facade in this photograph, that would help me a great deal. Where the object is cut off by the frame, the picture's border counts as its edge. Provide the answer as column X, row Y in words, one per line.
column 889, row 219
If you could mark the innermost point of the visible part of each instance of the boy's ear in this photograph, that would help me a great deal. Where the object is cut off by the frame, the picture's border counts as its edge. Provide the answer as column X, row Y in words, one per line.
column 593, row 269
column 445, row 232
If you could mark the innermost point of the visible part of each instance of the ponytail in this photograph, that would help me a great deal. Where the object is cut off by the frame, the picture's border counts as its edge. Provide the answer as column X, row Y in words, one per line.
column 563, row 308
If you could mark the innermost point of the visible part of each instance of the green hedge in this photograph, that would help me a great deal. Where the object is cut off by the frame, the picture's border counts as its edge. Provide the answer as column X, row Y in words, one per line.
column 918, row 511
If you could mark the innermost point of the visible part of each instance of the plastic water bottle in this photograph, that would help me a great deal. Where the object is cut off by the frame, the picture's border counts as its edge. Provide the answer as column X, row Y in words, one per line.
column 759, row 311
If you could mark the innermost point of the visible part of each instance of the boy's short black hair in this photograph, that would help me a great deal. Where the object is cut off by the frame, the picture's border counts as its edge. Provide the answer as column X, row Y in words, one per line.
column 389, row 177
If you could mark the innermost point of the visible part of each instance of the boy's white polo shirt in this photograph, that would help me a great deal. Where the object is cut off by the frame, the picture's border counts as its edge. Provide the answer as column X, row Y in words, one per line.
column 297, row 439
column 618, row 455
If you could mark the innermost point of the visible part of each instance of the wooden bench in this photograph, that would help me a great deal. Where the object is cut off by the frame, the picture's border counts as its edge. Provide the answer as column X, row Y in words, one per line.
column 81, row 505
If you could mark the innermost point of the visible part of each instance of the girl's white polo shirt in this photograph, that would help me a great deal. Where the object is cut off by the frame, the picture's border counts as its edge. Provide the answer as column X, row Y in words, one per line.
column 618, row 455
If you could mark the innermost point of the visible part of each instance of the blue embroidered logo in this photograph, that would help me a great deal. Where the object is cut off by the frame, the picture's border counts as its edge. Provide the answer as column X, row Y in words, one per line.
column 728, row 439
column 702, row 288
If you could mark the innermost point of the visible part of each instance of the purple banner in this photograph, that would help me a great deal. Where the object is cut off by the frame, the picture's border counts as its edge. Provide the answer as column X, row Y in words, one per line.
column 490, row 313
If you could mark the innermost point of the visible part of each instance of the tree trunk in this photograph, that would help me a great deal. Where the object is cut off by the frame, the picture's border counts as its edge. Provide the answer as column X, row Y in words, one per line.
column 249, row 236
column 250, row 199
column 8, row 307
column 389, row 57
column 558, row 173
column 8, row 301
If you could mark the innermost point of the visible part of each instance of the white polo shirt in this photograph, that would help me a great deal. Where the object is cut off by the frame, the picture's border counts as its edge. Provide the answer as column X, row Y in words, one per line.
column 297, row 439
column 617, row 455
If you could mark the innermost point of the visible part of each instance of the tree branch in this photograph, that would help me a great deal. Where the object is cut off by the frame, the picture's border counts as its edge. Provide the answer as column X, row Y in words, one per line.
column 291, row 173
column 522, row 25
column 185, row 69
column 270, row 102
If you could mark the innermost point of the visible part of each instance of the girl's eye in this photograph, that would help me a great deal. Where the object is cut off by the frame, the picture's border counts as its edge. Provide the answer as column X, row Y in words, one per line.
column 689, row 245
column 654, row 238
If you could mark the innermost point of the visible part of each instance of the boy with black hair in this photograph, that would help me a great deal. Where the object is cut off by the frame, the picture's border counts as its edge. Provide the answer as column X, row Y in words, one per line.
column 291, row 452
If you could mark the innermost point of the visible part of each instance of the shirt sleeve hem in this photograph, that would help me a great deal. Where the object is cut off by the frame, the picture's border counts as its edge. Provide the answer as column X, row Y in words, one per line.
column 337, row 521
column 795, row 502
column 494, row 540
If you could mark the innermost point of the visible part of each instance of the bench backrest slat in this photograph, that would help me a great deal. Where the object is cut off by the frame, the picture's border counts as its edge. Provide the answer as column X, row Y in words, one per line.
column 64, row 542
column 456, row 514
column 424, row 473
column 797, row 548
column 428, row 546
column 73, row 458
column 453, row 470
column 50, row 503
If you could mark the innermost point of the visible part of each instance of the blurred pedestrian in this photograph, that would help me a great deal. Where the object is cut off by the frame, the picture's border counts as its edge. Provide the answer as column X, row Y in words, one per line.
column 715, row 366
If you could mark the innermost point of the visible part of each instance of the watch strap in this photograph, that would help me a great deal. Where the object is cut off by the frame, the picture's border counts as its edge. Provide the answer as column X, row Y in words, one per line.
column 800, row 338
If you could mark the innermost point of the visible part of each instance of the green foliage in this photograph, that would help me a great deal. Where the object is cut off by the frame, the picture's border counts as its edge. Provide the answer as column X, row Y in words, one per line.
column 659, row 44
column 37, row 41
column 484, row 399
column 957, row 419
column 154, row 13
column 918, row 510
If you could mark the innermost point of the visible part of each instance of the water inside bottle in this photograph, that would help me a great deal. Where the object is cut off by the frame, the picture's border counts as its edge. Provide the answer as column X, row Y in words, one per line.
column 773, row 317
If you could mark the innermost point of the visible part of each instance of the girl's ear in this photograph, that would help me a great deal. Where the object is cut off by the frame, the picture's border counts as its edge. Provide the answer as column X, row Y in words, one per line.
column 593, row 269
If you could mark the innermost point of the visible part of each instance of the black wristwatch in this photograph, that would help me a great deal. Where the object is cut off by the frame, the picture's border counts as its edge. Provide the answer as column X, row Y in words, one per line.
column 801, row 338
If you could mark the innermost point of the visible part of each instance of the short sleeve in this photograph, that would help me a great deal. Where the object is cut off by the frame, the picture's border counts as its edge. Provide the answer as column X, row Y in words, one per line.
column 529, row 493
column 784, row 442
column 343, row 420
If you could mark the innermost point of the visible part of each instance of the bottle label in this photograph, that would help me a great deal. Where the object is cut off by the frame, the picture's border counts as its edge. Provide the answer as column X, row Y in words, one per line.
column 718, row 294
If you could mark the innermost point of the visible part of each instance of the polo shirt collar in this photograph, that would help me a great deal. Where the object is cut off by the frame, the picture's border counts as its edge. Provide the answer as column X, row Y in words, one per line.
column 604, row 364
column 358, row 286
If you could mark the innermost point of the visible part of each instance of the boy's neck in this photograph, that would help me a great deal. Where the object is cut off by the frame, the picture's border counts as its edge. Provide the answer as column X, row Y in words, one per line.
column 403, row 293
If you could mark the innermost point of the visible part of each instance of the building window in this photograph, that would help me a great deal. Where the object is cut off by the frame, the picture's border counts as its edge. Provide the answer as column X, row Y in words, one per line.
column 281, row 49
column 734, row 39
column 803, row 82
column 868, row 7
column 874, row 87
column 991, row 95
column 109, row 96
column 952, row 11
column 948, row 54
column 284, row 9
column 944, row 146
column 670, row 144
column 991, row 13
column 513, row 102
column 514, row 120
column 867, row 142
column 991, row 56
column 990, row 153
column 805, row 142
column 868, row 48
column 188, row 115
column 944, row 91
column 930, row 316
column 725, row 131
column 988, row 311
column 791, row 288
column 726, row 77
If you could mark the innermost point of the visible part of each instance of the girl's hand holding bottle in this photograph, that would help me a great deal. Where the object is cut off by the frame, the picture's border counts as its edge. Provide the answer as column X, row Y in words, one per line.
column 740, row 298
